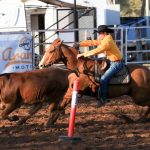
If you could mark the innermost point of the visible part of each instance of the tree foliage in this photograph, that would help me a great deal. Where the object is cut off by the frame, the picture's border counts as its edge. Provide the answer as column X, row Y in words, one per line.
column 130, row 8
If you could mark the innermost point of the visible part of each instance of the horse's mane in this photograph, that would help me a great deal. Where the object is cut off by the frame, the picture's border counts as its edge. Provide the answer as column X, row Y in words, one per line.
column 71, row 50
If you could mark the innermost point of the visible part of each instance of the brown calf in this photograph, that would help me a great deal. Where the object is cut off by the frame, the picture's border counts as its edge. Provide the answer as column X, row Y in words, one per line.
column 34, row 87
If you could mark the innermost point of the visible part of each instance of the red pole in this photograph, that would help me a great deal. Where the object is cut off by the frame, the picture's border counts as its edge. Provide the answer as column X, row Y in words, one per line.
column 72, row 115
column 73, row 108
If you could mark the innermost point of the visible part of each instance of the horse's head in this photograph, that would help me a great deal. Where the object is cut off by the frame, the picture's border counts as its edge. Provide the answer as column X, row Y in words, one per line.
column 52, row 54
column 58, row 51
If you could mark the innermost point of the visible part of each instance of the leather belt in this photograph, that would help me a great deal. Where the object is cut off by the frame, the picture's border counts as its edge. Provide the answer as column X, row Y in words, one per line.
column 117, row 60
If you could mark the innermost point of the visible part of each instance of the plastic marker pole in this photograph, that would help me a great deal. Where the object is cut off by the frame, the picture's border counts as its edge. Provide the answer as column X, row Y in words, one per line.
column 73, row 108
column 72, row 114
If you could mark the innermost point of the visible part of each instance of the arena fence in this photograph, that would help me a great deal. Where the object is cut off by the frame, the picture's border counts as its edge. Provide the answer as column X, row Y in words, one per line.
column 137, row 45
column 134, row 42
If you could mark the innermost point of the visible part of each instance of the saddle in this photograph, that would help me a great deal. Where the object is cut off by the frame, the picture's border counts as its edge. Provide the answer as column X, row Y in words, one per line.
column 122, row 77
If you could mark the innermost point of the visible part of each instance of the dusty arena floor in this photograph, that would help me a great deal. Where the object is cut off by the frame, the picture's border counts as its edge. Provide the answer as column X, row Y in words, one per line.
column 98, row 128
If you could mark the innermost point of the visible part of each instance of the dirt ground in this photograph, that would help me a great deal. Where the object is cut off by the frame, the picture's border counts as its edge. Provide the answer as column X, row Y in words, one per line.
column 98, row 128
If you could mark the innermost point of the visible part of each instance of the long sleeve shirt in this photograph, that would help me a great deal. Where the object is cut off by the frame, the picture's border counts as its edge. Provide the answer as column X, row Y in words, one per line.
column 106, row 46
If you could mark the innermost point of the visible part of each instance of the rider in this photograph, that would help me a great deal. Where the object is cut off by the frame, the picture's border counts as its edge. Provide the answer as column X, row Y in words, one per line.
column 106, row 45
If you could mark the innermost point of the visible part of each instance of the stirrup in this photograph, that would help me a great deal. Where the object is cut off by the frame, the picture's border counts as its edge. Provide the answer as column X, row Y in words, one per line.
column 100, row 103
column 103, row 101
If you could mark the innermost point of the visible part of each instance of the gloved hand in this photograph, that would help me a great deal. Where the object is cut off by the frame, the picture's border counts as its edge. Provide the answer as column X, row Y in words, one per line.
column 76, row 45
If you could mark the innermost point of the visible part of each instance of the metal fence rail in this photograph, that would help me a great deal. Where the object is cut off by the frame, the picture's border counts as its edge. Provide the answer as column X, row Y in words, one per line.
column 137, row 45
column 134, row 42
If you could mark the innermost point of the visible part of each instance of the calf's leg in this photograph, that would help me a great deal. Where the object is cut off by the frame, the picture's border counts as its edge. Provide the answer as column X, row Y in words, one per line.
column 145, row 118
column 54, row 113
column 2, row 106
column 8, row 109
column 32, row 111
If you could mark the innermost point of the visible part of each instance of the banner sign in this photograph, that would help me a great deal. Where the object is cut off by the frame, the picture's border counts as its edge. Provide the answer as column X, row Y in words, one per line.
column 16, row 52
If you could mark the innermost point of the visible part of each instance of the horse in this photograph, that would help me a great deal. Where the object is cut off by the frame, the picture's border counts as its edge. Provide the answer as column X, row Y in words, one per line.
column 138, row 88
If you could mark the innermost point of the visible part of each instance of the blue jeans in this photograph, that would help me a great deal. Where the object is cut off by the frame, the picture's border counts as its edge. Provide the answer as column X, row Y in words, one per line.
column 113, row 69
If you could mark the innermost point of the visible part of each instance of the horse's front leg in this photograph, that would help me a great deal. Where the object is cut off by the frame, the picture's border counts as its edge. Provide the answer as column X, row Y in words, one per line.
column 31, row 112
column 67, row 99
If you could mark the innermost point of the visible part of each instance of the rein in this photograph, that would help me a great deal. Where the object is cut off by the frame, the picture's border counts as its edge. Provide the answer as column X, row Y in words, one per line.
column 88, row 72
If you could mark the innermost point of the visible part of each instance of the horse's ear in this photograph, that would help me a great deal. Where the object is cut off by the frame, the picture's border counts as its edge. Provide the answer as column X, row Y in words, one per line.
column 59, row 42
column 56, row 41
column 45, row 49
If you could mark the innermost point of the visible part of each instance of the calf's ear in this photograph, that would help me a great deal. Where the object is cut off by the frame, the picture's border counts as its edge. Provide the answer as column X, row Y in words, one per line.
column 103, row 65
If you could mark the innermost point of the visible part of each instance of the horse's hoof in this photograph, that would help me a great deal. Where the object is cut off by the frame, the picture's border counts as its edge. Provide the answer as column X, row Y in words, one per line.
column 99, row 104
